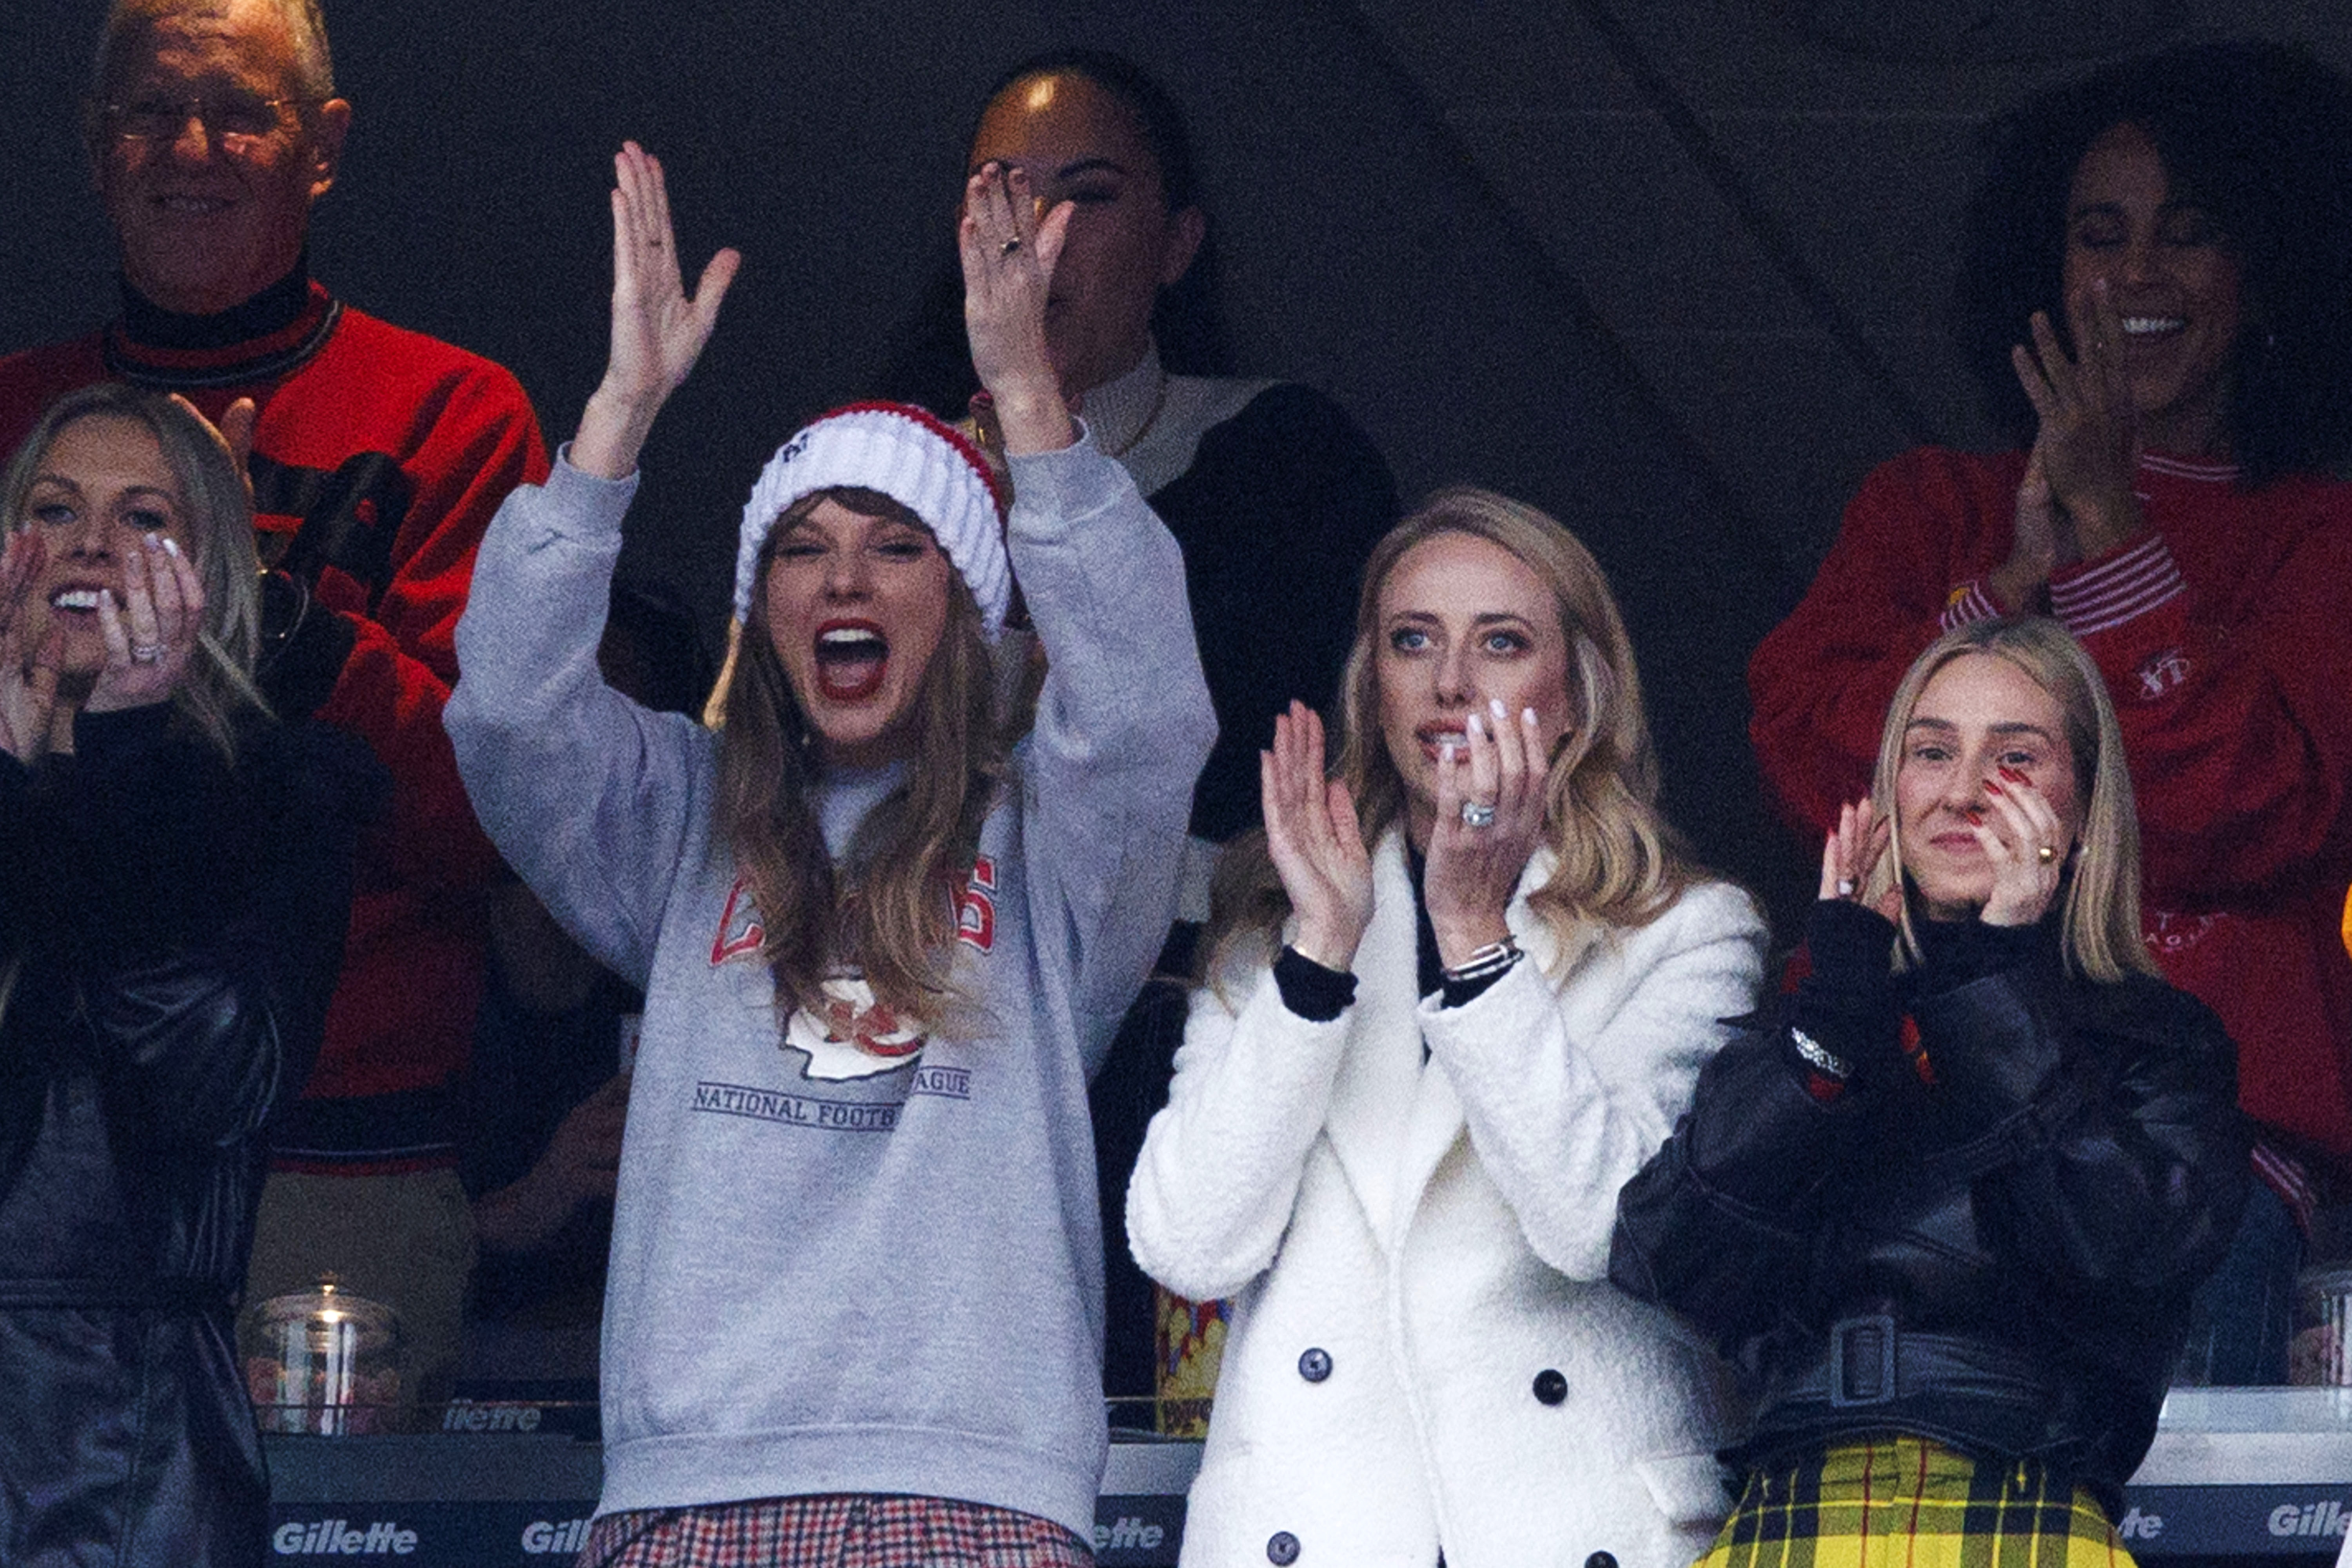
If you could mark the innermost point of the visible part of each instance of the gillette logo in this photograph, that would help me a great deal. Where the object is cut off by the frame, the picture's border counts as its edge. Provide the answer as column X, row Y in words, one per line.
column 2313, row 1519
column 497, row 1416
column 340, row 1538
column 570, row 1537
column 1128, row 1534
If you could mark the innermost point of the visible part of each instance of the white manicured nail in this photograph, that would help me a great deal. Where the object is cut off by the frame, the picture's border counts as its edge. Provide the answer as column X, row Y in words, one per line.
column 1470, row 723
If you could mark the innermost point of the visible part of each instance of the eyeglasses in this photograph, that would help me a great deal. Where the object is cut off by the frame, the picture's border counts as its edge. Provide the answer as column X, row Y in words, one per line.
column 236, row 121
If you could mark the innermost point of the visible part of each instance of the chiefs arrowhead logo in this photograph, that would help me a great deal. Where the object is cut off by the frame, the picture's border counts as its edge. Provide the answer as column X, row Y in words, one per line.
column 852, row 1035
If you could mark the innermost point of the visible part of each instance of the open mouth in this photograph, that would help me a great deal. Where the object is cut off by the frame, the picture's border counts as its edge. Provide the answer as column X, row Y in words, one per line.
column 1435, row 737
column 851, row 656
column 2146, row 327
column 83, row 601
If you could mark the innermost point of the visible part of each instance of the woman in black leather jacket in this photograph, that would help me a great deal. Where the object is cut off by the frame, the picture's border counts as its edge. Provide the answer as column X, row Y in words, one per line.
column 175, row 880
column 1946, row 1200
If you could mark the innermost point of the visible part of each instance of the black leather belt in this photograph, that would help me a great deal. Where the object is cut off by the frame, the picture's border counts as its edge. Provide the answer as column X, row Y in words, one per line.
column 1868, row 1362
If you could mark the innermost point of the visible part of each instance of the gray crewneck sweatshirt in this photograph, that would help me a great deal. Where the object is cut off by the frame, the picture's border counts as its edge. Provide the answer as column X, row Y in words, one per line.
column 835, row 1266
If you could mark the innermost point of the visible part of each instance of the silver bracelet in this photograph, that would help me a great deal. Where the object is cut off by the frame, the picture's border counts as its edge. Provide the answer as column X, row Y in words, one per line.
column 1493, row 959
column 1818, row 1055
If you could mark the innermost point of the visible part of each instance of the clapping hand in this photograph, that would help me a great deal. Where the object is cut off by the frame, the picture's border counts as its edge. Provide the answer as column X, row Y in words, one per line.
column 2028, row 846
column 1851, row 856
column 234, row 432
column 28, row 676
column 657, row 331
column 151, row 639
column 1316, row 845
column 151, row 624
column 1490, row 815
column 1008, row 255
column 2044, row 541
column 2088, row 446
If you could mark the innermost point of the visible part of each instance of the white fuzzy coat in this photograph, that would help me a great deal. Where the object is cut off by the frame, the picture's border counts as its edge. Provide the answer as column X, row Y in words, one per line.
column 1439, row 1230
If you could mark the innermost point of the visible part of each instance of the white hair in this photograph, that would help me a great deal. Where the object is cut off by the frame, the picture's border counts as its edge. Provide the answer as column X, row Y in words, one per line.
column 314, row 65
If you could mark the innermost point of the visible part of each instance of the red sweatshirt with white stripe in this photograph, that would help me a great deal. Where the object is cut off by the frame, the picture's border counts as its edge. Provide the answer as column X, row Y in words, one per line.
column 2224, row 629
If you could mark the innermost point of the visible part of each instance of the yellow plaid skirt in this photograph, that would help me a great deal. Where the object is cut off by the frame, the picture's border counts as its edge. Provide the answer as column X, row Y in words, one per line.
column 1905, row 1502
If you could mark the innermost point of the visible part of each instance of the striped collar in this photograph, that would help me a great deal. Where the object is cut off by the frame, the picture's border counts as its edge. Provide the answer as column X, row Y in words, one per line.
column 243, row 362
column 2200, row 470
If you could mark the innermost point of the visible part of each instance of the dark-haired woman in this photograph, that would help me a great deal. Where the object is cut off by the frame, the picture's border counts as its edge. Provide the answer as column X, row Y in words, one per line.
column 2157, row 296
column 1948, row 1200
column 1274, row 494
column 854, row 1304
column 175, row 872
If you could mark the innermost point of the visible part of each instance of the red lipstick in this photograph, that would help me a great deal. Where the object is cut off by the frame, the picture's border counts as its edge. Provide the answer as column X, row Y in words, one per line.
column 851, row 656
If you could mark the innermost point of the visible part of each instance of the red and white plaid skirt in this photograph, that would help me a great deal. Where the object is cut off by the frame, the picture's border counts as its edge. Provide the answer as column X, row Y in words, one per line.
column 833, row 1531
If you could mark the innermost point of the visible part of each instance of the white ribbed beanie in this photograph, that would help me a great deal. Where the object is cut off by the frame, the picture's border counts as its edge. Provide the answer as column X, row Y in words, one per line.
column 917, row 460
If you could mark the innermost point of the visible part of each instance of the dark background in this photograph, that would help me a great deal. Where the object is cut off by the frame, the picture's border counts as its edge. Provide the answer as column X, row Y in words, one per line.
column 1672, row 269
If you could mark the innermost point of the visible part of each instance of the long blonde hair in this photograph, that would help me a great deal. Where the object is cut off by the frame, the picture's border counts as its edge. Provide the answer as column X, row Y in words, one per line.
column 1617, row 862
column 889, row 906
column 218, row 509
column 2099, row 929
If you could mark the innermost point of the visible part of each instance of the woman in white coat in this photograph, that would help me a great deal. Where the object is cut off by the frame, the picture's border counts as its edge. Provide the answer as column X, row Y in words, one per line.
column 1419, row 1072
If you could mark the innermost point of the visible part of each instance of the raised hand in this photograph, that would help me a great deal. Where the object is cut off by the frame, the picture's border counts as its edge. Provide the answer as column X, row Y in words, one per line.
column 1008, row 258
column 2089, row 440
column 657, row 331
column 235, row 428
column 1318, row 848
column 2028, row 846
column 234, row 432
column 1851, row 856
column 2044, row 540
column 151, row 639
column 28, row 676
column 1476, row 861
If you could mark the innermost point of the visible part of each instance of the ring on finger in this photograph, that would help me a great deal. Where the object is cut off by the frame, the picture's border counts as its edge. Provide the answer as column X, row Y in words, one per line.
column 1477, row 814
column 1008, row 247
column 2043, row 853
column 146, row 652
column 1845, row 886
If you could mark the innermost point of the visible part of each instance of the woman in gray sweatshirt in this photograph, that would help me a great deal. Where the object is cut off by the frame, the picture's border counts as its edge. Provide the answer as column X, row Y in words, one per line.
column 855, row 1298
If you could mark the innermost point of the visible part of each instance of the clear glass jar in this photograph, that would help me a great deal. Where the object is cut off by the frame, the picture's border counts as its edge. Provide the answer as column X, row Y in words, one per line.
column 321, row 1361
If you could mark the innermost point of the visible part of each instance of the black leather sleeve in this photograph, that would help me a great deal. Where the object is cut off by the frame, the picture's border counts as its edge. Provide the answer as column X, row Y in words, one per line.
column 1846, row 1004
column 2098, row 1124
column 1719, row 1224
column 203, row 906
